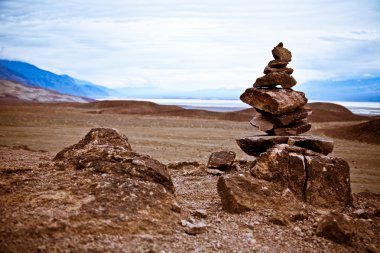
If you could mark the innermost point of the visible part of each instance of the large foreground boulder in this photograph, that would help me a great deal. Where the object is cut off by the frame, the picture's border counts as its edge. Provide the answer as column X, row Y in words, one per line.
column 105, row 150
column 242, row 192
column 90, row 194
column 317, row 179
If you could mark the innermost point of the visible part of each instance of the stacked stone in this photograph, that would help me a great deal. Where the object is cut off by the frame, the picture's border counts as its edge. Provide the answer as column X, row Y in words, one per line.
column 289, row 168
column 280, row 110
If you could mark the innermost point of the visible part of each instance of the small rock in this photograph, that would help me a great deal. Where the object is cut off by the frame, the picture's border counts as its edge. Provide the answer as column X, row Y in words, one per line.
column 221, row 160
column 261, row 123
column 200, row 213
column 282, row 54
column 335, row 227
column 176, row 207
column 361, row 213
column 194, row 229
column 214, row 172
column 279, row 219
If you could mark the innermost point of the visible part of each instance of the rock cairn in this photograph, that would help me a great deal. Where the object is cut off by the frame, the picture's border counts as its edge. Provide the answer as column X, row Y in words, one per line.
column 290, row 169
column 280, row 110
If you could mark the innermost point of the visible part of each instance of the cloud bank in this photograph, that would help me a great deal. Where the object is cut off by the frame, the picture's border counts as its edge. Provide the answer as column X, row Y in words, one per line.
column 190, row 44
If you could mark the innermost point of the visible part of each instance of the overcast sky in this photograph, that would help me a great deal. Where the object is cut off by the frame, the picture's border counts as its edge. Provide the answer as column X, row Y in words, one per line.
column 191, row 44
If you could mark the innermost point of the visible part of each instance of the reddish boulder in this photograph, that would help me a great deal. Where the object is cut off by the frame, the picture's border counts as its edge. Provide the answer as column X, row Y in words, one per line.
column 274, row 101
column 319, row 180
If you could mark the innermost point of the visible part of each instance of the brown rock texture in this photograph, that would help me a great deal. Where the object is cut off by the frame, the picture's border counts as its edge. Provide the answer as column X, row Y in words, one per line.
column 317, row 179
column 261, row 123
column 285, row 70
column 328, row 183
column 221, row 160
column 275, row 78
column 292, row 129
column 255, row 145
column 286, row 118
column 277, row 64
column 282, row 54
column 334, row 226
column 104, row 150
column 242, row 192
column 274, row 101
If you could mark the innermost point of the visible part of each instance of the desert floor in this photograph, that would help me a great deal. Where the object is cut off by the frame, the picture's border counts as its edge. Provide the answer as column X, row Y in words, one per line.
column 167, row 139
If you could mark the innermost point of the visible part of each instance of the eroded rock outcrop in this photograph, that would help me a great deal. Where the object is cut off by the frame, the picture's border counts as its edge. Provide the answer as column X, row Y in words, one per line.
column 105, row 150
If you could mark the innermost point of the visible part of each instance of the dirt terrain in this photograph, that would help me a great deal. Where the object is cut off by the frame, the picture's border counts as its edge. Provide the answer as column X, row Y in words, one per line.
column 51, row 127
column 31, row 135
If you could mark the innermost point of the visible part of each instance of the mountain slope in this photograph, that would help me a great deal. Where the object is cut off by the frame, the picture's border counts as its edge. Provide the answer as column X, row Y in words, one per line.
column 16, row 92
column 28, row 74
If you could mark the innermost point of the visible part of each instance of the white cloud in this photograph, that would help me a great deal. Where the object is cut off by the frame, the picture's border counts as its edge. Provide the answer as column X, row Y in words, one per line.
column 191, row 44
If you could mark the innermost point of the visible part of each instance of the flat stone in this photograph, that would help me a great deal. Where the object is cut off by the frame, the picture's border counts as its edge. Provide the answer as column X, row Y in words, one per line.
column 261, row 123
column 277, row 64
column 221, row 160
column 281, row 53
column 274, row 101
column 275, row 78
column 285, row 119
column 335, row 227
column 294, row 129
column 256, row 145
column 285, row 70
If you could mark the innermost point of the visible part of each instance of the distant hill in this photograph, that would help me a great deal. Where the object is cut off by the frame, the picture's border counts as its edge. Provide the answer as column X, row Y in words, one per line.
column 329, row 112
column 366, row 132
column 360, row 90
column 322, row 112
column 28, row 74
column 12, row 92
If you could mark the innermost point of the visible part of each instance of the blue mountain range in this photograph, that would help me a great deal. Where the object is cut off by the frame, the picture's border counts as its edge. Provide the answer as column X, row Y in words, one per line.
column 28, row 74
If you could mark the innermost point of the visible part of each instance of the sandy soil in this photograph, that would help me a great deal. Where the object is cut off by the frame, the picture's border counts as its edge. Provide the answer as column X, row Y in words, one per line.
column 166, row 138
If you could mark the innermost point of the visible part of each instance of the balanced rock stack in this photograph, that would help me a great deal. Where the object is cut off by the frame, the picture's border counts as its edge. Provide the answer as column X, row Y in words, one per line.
column 280, row 110
column 286, row 160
